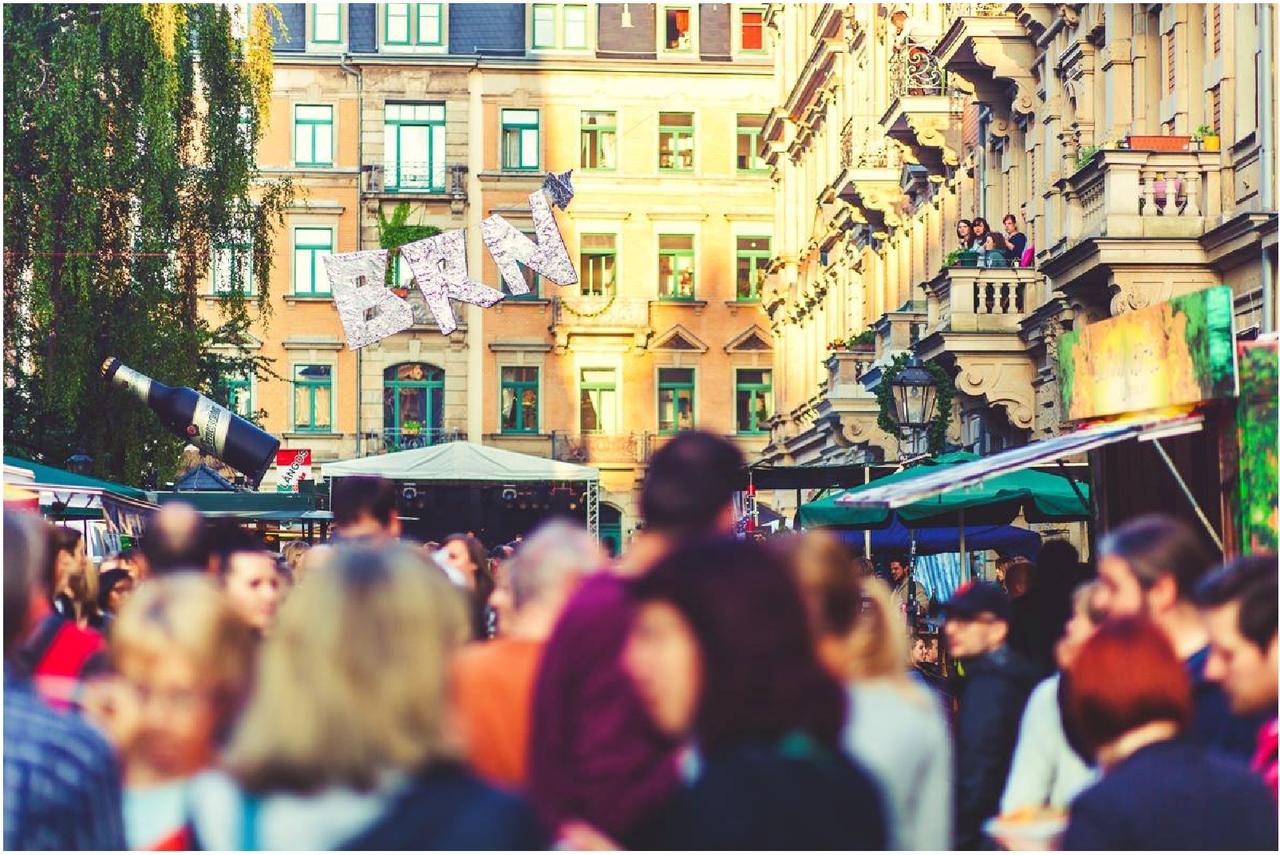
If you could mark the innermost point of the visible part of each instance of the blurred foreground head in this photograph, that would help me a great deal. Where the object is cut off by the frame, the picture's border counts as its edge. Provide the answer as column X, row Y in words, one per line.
column 24, row 547
column 1238, row 601
column 364, row 508
column 1149, row 566
column 175, row 540
column 690, row 484
column 352, row 680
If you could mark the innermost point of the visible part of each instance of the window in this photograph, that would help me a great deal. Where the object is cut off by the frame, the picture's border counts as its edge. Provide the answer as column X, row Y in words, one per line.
column 519, row 400
column 676, row 34
column 751, row 31
column 754, row 399
column 563, row 27
column 313, row 135
column 233, row 268
column 749, row 128
column 519, row 139
column 309, row 246
column 531, row 277
column 544, row 25
column 313, row 398
column 1170, row 62
column 598, row 400
column 675, row 142
column 412, row 405
column 1215, row 108
column 235, row 392
column 326, row 23
column 752, row 262
column 596, row 265
column 575, row 27
column 1217, row 28
column 407, row 24
column 675, row 267
column 414, row 139
column 599, row 139
column 675, row 399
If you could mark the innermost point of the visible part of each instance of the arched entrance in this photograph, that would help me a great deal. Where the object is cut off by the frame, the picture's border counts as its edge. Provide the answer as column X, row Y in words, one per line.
column 412, row 405
column 610, row 528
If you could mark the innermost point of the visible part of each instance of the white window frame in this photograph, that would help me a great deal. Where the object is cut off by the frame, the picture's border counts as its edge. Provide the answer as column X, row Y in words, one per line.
column 412, row 23
column 558, row 26
column 344, row 35
column 694, row 51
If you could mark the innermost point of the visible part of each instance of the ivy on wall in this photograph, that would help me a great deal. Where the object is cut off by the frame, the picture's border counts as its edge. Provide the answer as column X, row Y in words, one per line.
column 396, row 231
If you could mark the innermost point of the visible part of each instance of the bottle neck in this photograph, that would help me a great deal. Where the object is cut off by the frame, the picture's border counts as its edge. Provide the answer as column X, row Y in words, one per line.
column 137, row 383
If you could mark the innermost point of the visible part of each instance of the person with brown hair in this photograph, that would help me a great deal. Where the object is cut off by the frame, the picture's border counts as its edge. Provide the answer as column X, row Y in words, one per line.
column 896, row 727
column 1127, row 698
column 469, row 561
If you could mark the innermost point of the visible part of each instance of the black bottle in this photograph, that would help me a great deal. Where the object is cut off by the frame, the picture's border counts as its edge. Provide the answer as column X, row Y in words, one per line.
column 193, row 417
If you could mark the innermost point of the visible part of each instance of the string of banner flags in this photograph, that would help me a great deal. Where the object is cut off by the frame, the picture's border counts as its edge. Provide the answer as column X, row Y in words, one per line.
column 370, row 311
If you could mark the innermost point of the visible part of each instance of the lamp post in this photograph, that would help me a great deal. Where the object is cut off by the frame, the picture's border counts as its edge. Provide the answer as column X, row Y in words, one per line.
column 915, row 397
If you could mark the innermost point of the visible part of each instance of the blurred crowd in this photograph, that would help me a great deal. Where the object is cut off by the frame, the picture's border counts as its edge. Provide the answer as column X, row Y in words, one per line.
column 701, row 691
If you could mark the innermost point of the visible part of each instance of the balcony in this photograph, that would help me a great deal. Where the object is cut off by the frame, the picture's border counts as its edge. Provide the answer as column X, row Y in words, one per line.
column 399, row 439
column 980, row 299
column 870, row 179
column 1132, row 226
column 991, row 51
column 600, row 449
column 600, row 316
column 923, row 109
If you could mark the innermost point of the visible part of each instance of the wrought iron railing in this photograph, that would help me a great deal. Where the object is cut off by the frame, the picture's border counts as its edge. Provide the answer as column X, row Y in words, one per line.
column 592, row 448
column 399, row 439
column 914, row 70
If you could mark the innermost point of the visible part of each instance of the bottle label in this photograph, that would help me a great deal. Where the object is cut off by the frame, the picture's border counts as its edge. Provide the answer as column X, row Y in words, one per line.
column 138, row 384
column 212, row 421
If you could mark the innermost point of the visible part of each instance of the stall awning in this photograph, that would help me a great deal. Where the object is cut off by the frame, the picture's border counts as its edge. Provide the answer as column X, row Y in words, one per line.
column 246, row 505
column 974, row 472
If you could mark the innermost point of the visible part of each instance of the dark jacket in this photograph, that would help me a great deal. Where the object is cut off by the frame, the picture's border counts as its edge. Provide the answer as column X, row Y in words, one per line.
column 992, row 694
column 761, row 797
column 1174, row 795
column 1213, row 724
column 448, row 808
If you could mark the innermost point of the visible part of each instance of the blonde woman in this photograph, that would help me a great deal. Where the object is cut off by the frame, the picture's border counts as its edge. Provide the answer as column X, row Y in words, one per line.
column 185, row 658
column 896, row 727
column 347, row 742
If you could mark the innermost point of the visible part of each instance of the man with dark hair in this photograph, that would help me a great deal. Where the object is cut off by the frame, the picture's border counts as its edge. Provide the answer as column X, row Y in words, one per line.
column 175, row 540
column 364, row 508
column 61, row 783
column 1238, row 602
column 1149, row 567
column 595, row 755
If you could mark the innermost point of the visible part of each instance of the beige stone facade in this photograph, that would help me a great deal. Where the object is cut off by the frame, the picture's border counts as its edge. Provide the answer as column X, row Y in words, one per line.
column 879, row 144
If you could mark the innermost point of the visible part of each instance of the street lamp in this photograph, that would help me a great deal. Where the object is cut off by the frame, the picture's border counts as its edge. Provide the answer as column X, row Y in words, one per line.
column 79, row 463
column 915, row 397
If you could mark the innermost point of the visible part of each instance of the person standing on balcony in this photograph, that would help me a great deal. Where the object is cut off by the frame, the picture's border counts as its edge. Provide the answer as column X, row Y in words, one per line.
column 908, row 32
column 1016, row 239
column 995, row 252
column 964, row 235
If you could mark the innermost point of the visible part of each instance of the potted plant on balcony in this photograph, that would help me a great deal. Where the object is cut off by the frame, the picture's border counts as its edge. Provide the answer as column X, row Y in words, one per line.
column 410, row 428
column 1208, row 138
column 1154, row 142
column 961, row 258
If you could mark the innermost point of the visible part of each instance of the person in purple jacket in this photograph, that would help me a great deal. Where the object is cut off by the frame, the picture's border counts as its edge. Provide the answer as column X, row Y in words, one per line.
column 595, row 757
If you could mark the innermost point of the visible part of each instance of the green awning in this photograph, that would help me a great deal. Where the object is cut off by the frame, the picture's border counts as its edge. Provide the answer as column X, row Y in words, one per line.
column 51, row 476
column 1039, row 496
column 243, row 504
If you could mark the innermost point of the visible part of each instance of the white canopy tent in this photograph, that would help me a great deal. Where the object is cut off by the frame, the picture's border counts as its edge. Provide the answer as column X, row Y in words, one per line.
column 461, row 462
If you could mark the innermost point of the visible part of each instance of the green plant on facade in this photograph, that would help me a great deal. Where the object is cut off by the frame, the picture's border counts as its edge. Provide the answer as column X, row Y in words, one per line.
column 862, row 339
column 1202, row 132
column 128, row 158
column 1085, row 155
column 945, row 392
column 396, row 231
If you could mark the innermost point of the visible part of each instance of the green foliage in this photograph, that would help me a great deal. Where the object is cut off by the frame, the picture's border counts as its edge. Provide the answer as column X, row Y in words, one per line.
column 1085, row 155
column 867, row 336
column 125, row 162
column 1204, row 131
column 1257, row 418
column 960, row 258
column 395, row 231
column 946, row 392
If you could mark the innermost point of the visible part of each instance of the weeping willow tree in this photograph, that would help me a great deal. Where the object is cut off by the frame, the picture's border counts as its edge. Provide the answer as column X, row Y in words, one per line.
column 129, row 141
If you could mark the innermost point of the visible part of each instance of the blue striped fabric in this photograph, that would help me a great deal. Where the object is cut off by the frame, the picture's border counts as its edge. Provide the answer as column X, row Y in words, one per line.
column 61, row 782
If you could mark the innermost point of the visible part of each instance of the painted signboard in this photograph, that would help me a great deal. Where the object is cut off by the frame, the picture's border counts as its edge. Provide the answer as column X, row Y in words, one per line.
column 1257, row 415
column 295, row 466
column 1173, row 354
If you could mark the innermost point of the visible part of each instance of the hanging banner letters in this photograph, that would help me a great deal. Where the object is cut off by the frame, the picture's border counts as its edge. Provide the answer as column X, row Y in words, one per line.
column 439, row 266
column 368, row 309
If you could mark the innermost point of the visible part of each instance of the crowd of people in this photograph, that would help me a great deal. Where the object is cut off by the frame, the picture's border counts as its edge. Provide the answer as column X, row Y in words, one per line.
column 992, row 248
column 701, row 691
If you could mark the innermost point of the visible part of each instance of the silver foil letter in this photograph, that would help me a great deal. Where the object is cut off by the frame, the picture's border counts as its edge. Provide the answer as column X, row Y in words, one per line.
column 548, row 256
column 439, row 266
column 368, row 309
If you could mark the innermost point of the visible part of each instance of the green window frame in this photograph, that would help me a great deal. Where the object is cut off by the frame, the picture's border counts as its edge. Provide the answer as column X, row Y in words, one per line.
column 747, row 157
column 675, row 400
column 397, row 14
column 671, row 33
column 416, row 130
column 575, row 20
column 518, row 401
column 753, row 400
column 416, row 387
column 430, row 21
column 598, row 265
column 543, row 35
column 676, row 267
column 751, row 262
column 313, row 135
column 418, row 24
column 310, row 245
column 675, row 142
column 521, row 136
column 756, row 25
column 313, row 398
column 598, row 400
column 235, row 392
column 232, row 261
column 329, row 11
column 599, row 140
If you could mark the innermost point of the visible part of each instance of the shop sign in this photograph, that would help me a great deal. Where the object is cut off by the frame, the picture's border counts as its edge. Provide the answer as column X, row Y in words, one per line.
column 294, row 465
column 1174, row 354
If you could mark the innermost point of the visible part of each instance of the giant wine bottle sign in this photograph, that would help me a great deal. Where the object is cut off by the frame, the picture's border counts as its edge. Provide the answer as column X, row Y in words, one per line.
column 370, row 311
column 193, row 417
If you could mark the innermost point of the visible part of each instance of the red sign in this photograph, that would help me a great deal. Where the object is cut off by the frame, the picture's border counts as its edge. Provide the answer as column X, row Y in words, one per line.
column 295, row 464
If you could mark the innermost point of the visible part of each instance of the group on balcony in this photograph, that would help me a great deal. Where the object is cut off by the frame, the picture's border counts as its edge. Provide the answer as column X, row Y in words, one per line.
column 980, row 246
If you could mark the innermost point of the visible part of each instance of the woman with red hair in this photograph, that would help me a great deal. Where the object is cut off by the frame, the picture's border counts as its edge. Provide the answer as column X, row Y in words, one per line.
column 1127, row 701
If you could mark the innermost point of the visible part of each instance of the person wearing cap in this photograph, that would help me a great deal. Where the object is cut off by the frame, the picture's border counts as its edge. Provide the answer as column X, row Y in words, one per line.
column 994, row 691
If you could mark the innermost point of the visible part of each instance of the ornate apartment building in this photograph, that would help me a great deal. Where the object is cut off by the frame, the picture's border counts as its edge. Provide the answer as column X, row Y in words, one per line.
column 452, row 112
column 1127, row 140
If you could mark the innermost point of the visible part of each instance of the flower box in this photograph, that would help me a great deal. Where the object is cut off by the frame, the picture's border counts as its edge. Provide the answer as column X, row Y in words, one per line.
column 1159, row 143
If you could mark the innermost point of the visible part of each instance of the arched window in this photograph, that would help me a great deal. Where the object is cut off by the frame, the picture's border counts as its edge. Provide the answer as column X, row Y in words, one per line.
column 610, row 528
column 412, row 405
